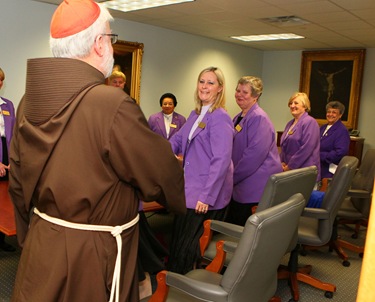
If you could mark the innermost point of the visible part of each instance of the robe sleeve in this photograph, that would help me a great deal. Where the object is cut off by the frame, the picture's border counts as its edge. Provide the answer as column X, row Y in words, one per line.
column 145, row 159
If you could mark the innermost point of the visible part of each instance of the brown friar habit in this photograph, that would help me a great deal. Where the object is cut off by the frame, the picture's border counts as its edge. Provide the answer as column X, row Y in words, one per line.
column 82, row 151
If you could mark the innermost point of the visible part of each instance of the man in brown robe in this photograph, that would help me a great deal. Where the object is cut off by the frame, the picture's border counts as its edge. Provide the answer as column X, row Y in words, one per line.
column 82, row 153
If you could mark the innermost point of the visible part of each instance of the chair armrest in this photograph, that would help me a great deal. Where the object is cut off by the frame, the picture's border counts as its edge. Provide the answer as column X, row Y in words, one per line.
column 230, row 246
column 217, row 263
column 227, row 228
column 317, row 213
column 199, row 289
column 222, row 248
column 206, row 237
column 359, row 193
column 209, row 226
column 324, row 184
column 161, row 293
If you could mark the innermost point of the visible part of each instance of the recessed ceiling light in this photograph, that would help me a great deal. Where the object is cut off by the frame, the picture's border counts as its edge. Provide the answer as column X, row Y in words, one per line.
column 129, row 5
column 253, row 38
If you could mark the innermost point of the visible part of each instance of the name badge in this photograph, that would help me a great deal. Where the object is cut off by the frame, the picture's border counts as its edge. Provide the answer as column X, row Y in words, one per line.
column 173, row 126
column 238, row 128
column 5, row 112
column 202, row 125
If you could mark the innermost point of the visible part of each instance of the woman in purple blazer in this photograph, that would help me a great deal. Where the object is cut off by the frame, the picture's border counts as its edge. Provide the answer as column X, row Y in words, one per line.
column 255, row 156
column 167, row 122
column 150, row 252
column 7, row 120
column 300, row 142
column 334, row 139
column 206, row 142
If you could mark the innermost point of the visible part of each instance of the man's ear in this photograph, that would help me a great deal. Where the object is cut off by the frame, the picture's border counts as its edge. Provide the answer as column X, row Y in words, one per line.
column 99, row 46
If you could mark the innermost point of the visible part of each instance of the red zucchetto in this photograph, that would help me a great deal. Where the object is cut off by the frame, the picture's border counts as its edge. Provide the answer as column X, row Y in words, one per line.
column 73, row 16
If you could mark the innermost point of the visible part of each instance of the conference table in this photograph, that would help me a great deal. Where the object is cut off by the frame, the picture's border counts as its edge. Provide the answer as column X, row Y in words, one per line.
column 7, row 220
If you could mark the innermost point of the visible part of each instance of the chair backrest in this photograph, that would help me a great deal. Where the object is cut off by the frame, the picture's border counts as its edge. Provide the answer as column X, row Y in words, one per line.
column 364, row 180
column 252, row 272
column 335, row 194
column 281, row 186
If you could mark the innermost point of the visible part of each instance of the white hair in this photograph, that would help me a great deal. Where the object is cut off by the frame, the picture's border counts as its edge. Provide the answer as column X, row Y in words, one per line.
column 79, row 45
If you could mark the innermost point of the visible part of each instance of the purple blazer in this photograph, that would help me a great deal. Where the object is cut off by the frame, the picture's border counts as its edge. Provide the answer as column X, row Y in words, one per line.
column 207, row 159
column 156, row 123
column 301, row 148
column 334, row 145
column 9, row 116
column 255, row 156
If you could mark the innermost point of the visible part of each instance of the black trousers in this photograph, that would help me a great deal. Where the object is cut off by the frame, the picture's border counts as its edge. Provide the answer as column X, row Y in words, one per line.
column 5, row 161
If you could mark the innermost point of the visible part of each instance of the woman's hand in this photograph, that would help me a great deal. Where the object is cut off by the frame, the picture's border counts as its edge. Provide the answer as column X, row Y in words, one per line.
column 180, row 158
column 201, row 208
column 3, row 169
column 285, row 167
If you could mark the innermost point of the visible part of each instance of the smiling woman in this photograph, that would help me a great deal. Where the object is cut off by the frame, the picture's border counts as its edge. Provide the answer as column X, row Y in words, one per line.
column 300, row 141
column 255, row 157
column 206, row 140
column 334, row 139
column 128, row 55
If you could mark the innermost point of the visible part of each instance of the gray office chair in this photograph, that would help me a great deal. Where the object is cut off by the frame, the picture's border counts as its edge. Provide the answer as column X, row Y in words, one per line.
column 252, row 274
column 316, row 228
column 356, row 206
column 279, row 187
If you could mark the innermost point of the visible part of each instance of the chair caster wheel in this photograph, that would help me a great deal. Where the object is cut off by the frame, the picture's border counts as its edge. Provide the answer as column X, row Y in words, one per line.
column 303, row 253
column 355, row 236
column 346, row 263
column 328, row 295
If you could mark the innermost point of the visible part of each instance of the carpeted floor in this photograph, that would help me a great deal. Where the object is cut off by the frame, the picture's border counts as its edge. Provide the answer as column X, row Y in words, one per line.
column 326, row 266
column 8, row 268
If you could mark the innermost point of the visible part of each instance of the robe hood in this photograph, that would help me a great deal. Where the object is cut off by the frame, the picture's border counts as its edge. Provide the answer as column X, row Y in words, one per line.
column 50, row 100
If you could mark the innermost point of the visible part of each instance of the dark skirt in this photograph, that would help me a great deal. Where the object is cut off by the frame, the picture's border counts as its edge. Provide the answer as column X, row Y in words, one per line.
column 187, row 229
column 4, row 160
column 238, row 213
column 151, row 253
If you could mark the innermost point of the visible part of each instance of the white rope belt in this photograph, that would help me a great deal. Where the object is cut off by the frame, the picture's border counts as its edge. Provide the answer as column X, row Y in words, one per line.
column 114, row 230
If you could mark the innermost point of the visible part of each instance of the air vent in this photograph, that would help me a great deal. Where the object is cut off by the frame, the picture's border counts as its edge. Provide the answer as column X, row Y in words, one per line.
column 285, row 21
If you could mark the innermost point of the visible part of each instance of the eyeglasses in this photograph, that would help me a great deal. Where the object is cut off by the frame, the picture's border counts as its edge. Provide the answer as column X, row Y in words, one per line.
column 114, row 37
column 333, row 111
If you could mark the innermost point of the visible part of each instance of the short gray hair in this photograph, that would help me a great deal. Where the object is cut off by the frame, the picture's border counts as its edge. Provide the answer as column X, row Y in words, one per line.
column 336, row 105
column 255, row 84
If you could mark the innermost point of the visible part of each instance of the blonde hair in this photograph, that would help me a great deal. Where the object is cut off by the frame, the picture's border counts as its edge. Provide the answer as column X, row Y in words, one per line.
column 304, row 98
column 220, row 99
column 117, row 74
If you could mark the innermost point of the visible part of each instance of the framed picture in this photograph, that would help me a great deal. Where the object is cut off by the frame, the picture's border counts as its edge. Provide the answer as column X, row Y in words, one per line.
column 333, row 75
column 128, row 59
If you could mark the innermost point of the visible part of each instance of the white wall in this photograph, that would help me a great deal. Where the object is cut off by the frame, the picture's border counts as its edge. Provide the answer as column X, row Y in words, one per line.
column 281, row 70
column 171, row 62
column 24, row 33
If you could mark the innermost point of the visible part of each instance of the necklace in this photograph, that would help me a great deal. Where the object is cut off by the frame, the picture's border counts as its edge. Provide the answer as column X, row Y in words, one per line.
column 291, row 131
